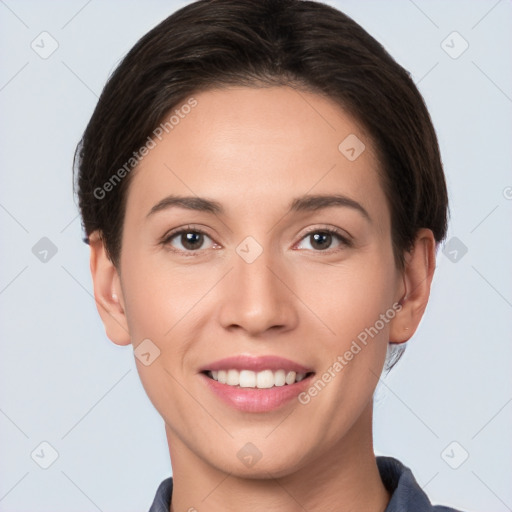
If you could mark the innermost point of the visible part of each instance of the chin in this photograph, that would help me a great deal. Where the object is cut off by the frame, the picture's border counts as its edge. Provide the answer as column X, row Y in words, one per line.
column 252, row 463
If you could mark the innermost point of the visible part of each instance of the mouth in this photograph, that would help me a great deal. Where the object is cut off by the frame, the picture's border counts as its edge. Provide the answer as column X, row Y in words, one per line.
column 265, row 379
column 256, row 384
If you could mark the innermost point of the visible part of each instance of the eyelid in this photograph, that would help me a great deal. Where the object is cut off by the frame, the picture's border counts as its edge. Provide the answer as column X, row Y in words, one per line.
column 188, row 228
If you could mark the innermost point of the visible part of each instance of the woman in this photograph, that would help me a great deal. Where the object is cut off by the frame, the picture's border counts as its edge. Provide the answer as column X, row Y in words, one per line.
column 262, row 191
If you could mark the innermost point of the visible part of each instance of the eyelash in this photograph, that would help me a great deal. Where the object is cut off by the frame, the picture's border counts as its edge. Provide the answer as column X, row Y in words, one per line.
column 166, row 240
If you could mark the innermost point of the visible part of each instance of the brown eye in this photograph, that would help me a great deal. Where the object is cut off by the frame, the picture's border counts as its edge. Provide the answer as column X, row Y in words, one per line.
column 321, row 240
column 192, row 240
column 187, row 240
column 324, row 239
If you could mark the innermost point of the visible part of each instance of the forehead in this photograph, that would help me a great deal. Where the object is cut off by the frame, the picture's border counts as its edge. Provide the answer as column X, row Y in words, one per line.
column 253, row 147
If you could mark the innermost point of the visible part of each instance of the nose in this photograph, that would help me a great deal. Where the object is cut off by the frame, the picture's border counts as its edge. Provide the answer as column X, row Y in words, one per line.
column 257, row 296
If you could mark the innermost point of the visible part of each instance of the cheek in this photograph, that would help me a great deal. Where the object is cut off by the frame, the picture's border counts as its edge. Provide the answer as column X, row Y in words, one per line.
column 149, row 294
column 349, row 297
column 355, row 303
column 166, row 302
column 151, row 310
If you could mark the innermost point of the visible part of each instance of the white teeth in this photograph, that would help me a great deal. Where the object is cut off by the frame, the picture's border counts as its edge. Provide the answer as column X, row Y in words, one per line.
column 290, row 377
column 262, row 380
column 247, row 379
column 280, row 378
column 233, row 378
column 265, row 379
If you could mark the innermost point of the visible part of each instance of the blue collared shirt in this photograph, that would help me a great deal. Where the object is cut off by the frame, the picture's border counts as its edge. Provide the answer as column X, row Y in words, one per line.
column 406, row 494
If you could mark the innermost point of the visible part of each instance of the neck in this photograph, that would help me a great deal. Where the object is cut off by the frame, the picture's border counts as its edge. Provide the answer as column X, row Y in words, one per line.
column 345, row 478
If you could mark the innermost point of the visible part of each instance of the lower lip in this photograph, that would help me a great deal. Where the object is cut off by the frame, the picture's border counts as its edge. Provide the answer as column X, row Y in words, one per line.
column 254, row 399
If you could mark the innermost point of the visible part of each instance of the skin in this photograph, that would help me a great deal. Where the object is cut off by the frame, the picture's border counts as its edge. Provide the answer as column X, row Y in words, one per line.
column 253, row 150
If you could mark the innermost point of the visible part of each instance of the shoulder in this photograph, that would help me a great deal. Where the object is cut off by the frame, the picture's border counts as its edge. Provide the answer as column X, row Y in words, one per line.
column 406, row 493
column 162, row 501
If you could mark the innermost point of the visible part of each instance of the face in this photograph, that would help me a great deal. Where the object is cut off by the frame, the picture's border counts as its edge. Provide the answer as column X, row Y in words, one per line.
column 279, row 261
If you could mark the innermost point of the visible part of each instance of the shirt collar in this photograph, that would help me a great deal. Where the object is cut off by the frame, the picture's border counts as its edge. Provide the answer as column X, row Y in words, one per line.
column 398, row 479
column 401, row 484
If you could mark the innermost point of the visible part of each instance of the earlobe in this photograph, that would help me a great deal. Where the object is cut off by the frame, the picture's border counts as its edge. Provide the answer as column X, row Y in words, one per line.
column 107, row 292
column 417, row 276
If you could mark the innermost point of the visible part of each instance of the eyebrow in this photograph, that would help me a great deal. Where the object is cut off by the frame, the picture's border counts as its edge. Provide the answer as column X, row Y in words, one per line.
column 298, row 204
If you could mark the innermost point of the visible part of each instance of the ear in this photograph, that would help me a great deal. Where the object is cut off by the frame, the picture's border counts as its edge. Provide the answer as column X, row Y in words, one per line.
column 107, row 292
column 420, row 263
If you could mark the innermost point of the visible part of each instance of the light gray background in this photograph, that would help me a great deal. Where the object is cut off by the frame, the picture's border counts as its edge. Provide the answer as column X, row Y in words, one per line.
column 62, row 381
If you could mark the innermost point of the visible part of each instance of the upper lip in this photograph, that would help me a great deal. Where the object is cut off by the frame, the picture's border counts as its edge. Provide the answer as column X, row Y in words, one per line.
column 256, row 364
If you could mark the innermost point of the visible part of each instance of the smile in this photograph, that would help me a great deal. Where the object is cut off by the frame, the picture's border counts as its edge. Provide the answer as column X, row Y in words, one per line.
column 256, row 383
